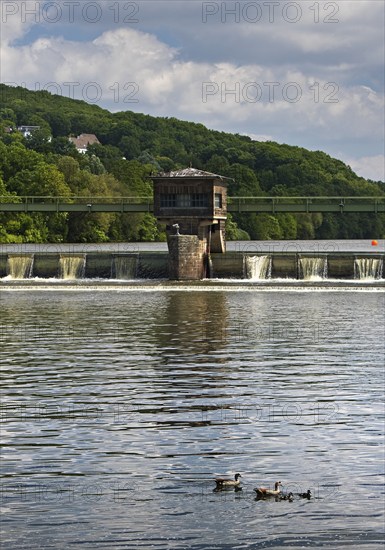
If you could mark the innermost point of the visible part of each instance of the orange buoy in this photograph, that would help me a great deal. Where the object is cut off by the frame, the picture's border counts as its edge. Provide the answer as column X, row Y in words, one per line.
column 374, row 242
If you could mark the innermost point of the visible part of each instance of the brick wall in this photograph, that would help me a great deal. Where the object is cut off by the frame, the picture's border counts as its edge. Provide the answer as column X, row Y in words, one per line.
column 187, row 257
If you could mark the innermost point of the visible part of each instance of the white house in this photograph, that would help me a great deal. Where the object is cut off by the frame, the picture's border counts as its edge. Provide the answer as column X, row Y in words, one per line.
column 27, row 130
column 83, row 141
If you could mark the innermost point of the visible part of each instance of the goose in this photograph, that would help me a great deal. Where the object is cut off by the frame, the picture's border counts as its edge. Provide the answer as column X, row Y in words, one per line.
column 264, row 492
column 223, row 482
column 288, row 496
column 305, row 495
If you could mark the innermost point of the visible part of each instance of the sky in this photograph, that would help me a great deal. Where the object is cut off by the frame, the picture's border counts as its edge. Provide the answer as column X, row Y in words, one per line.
column 306, row 73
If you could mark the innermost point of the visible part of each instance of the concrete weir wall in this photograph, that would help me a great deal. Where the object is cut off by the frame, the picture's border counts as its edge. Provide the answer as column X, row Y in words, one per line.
column 287, row 265
column 98, row 265
column 186, row 260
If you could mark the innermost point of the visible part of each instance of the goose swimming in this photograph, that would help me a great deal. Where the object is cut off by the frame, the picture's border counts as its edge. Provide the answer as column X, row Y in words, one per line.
column 288, row 496
column 305, row 495
column 223, row 482
column 265, row 492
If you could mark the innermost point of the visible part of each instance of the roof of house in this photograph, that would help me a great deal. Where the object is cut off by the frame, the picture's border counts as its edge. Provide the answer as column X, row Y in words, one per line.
column 84, row 140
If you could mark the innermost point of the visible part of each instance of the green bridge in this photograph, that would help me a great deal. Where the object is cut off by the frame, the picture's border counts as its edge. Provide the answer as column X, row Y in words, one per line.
column 270, row 205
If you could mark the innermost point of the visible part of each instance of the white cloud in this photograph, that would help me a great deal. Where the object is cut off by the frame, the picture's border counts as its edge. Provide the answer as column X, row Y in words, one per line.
column 368, row 167
column 259, row 137
column 299, row 83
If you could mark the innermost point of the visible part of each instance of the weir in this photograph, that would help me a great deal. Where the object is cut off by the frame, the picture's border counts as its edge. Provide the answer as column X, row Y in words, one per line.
column 20, row 266
column 124, row 267
column 72, row 266
column 193, row 205
column 157, row 265
column 258, row 267
column 313, row 268
column 368, row 268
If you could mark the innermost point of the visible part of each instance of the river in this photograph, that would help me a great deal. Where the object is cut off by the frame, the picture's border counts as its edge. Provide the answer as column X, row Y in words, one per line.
column 120, row 406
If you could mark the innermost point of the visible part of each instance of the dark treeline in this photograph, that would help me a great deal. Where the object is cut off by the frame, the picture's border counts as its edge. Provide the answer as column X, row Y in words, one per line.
column 132, row 146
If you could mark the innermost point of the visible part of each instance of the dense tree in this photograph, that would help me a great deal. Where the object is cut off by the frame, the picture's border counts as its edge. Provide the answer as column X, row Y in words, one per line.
column 8, row 116
column 135, row 145
column 63, row 146
column 42, row 180
column 39, row 140
column 59, row 123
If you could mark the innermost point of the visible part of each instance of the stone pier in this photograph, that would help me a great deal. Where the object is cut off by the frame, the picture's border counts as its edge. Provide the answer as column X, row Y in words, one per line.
column 187, row 258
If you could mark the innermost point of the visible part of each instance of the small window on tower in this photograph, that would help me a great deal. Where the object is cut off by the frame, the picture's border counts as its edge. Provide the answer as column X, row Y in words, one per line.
column 218, row 200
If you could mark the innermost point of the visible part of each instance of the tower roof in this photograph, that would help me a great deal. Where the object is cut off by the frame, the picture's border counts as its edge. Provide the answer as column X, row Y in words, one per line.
column 191, row 173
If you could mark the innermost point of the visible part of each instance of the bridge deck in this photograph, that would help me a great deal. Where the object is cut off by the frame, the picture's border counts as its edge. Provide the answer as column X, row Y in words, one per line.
column 235, row 204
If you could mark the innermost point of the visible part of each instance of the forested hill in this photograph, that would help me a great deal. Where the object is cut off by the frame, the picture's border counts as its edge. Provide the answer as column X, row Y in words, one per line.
column 134, row 145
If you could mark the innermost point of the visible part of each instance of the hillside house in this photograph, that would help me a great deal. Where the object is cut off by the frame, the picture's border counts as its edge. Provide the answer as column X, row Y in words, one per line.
column 27, row 130
column 83, row 141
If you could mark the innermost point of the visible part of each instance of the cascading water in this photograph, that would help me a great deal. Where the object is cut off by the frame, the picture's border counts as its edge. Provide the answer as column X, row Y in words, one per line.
column 258, row 267
column 124, row 267
column 368, row 268
column 20, row 267
column 72, row 266
column 313, row 268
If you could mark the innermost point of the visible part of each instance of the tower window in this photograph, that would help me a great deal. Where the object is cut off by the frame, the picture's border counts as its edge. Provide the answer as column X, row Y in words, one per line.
column 218, row 200
column 199, row 200
column 174, row 200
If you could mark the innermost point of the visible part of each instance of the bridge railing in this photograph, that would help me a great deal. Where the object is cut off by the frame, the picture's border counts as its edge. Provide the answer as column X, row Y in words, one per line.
column 272, row 205
column 307, row 204
column 14, row 199
column 75, row 204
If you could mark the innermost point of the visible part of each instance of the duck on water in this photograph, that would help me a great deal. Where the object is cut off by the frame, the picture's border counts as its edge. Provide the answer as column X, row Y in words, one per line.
column 305, row 495
column 263, row 492
column 227, row 482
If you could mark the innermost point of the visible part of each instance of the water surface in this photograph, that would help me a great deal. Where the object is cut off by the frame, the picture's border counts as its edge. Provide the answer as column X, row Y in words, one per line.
column 120, row 406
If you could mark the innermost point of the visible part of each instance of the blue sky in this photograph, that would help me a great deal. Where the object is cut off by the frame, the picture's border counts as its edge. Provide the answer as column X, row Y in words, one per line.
column 307, row 73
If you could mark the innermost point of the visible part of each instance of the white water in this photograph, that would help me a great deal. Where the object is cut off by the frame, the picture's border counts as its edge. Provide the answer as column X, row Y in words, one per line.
column 124, row 267
column 72, row 266
column 20, row 267
column 258, row 267
column 313, row 268
column 368, row 268
column 347, row 287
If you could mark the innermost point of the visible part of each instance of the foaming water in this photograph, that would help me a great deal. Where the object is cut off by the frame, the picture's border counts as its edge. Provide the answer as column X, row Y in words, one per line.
column 258, row 267
column 313, row 268
column 20, row 266
column 368, row 268
column 119, row 409
column 72, row 266
column 207, row 285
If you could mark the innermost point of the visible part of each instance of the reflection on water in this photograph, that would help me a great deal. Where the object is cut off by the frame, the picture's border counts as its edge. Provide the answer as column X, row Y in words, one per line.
column 119, row 408
column 193, row 322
